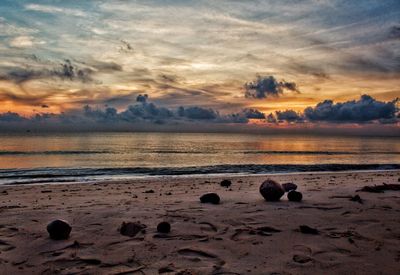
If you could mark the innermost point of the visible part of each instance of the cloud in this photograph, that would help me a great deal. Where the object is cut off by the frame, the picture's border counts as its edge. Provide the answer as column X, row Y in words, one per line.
column 264, row 87
column 66, row 71
column 22, row 42
column 106, row 66
column 394, row 32
column 108, row 115
column 289, row 116
column 140, row 112
column 69, row 71
column 8, row 28
column 146, row 111
column 197, row 113
column 253, row 114
column 147, row 115
column 142, row 98
column 11, row 117
column 366, row 109
column 55, row 10
column 23, row 98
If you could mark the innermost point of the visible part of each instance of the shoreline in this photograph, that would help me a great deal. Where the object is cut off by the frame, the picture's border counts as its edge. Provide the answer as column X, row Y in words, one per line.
column 200, row 176
column 354, row 238
column 80, row 175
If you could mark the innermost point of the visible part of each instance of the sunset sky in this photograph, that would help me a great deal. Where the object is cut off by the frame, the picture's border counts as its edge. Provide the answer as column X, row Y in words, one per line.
column 245, row 59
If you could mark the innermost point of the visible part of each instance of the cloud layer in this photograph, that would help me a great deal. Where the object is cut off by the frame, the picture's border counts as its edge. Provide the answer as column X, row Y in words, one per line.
column 361, row 111
column 64, row 71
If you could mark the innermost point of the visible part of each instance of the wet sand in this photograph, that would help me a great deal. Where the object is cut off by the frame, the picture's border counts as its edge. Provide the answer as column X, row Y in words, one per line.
column 242, row 235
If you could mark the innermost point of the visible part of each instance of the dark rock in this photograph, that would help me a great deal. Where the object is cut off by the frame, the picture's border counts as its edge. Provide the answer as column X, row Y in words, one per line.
column 357, row 198
column 226, row 183
column 271, row 190
column 210, row 198
column 131, row 229
column 149, row 191
column 295, row 196
column 164, row 227
column 59, row 230
column 305, row 229
column 289, row 186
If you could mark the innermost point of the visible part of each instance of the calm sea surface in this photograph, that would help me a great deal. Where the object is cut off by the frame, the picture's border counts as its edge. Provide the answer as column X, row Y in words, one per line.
column 32, row 158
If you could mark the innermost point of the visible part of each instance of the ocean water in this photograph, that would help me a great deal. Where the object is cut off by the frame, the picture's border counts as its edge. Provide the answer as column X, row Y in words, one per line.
column 46, row 158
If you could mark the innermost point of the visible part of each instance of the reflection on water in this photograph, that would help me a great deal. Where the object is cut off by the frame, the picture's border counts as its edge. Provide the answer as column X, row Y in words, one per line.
column 177, row 149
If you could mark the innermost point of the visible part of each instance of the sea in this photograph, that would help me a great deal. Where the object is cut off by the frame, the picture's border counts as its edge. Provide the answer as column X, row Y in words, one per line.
column 31, row 158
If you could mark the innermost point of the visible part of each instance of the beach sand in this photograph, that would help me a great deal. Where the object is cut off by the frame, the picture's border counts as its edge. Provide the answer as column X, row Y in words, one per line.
column 234, row 237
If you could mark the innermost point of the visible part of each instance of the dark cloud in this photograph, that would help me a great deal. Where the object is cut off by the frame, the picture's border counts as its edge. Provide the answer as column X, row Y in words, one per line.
column 106, row 66
column 126, row 47
column 142, row 98
column 146, row 111
column 107, row 115
column 197, row 113
column 264, row 87
column 145, row 114
column 142, row 111
column 253, row 114
column 66, row 71
column 235, row 118
column 289, row 116
column 365, row 109
column 394, row 32
column 11, row 117
column 23, row 98
column 70, row 72
column 19, row 75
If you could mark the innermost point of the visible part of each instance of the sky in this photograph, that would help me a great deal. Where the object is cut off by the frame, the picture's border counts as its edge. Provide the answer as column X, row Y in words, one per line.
column 286, row 63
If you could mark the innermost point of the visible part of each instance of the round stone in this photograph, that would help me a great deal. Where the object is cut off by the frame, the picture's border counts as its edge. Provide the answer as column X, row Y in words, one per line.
column 59, row 230
column 295, row 196
column 210, row 198
column 164, row 227
column 271, row 190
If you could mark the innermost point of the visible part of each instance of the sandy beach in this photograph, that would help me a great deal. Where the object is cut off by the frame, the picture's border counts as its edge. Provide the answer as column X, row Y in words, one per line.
column 243, row 234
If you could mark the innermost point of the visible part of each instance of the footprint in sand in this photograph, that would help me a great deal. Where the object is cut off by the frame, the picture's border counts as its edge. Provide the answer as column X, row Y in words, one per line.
column 249, row 232
column 206, row 226
column 332, row 257
column 303, row 249
column 5, row 246
column 302, row 255
column 195, row 255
